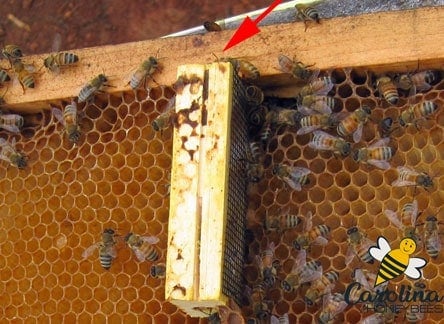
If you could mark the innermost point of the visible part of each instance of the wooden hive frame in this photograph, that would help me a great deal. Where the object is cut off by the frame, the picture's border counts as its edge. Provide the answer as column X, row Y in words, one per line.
column 360, row 41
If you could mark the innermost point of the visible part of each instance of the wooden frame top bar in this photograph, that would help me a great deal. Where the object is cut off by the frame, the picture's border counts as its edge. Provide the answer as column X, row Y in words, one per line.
column 401, row 40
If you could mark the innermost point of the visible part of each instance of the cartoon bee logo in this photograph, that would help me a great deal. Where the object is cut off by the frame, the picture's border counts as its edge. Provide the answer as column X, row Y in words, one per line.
column 396, row 262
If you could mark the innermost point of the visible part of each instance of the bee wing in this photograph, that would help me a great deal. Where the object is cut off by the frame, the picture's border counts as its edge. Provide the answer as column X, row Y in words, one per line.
column 139, row 255
column 433, row 240
column 321, row 106
column 413, row 267
column 11, row 128
column 320, row 240
column 274, row 320
column 298, row 172
column 325, row 89
column 310, row 275
column 379, row 164
column 307, row 129
column 285, row 63
column 378, row 252
column 350, row 254
column 90, row 250
column 293, row 184
column 406, row 170
column 420, row 88
column 393, row 217
column 111, row 250
column 308, row 222
column 360, row 277
column 414, row 211
column 314, row 75
column 299, row 261
column 170, row 105
column 150, row 239
column 306, row 110
column 58, row 114
column 380, row 143
column 357, row 135
column 56, row 43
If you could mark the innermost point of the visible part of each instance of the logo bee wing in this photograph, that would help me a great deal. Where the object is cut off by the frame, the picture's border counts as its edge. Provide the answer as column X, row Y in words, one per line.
column 413, row 267
column 90, row 250
column 379, row 251
column 150, row 239
column 393, row 217
column 58, row 114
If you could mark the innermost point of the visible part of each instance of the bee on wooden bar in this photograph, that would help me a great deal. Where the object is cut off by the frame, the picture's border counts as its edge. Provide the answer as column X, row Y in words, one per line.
column 12, row 53
column 417, row 82
column 107, row 249
column 316, row 104
column 243, row 68
column 316, row 121
column 296, row 68
column 332, row 305
column 311, row 235
column 410, row 177
column 11, row 122
column 92, row 87
column 376, row 154
column 431, row 236
column 387, row 89
column 142, row 246
column 358, row 245
column 11, row 155
column 145, row 70
column 302, row 272
column 415, row 113
column 354, row 123
column 295, row 177
column 320, row 86
column 320, row 287
column 164, row 120
column 327, row 142
column 307, row 13
column 407, row 221
column 24, row 73
column 69, row 120
column 58, row 59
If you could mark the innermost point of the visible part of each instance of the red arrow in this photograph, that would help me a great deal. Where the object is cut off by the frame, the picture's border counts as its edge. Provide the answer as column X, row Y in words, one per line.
column 249, row 28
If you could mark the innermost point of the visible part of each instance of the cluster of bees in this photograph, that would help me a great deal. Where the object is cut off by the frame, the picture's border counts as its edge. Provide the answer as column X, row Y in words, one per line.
column 142, row 246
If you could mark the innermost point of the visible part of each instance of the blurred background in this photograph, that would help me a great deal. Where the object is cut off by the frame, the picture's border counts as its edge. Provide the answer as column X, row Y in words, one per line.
column 32, row 24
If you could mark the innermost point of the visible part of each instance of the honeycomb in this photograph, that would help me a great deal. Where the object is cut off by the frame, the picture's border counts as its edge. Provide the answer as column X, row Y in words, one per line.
column 343, row 194
column 116, row 177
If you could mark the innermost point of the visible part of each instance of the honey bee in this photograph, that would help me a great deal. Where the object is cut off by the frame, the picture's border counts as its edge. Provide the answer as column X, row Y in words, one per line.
column 410, row 177
column 420, row 81
column 244, row 69
column 211, row 26
column 327, row 142
column 431, row 237
column 95, row 85
column 354, row 123
column 164, row 120
column 24, row 74
column 158, row 271
column 355, row 292
column 281, row 222
column 11, row 122
column 376, row 154
column 255, row 168
column 385, row 127
column 358, row 245
column 265, row 133
column 414, row 316
column 307, row 13
column 107, row 249
column 280, row 320
column 386, row 316
column 415, row 113
column 316, row 104
column 12, row 53
column 320, row 86
column 11, row 155
column 261, row 308
column 295, row 177
column 387, row 89
column 313, row 122
column 407, row 222
column 59, row 59
column 266, row 265
column 256, row 119
column 145, row 70
column 4, row 76
column 302, row 272
column 69, row 120
column 142, row 246
column 296, row 68
column 283, row 117
column 254, row 95
column 311, row 235
column 320, row 287
column 332, row 305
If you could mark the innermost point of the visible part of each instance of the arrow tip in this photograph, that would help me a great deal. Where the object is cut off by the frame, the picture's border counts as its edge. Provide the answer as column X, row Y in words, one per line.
column 246, row 30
